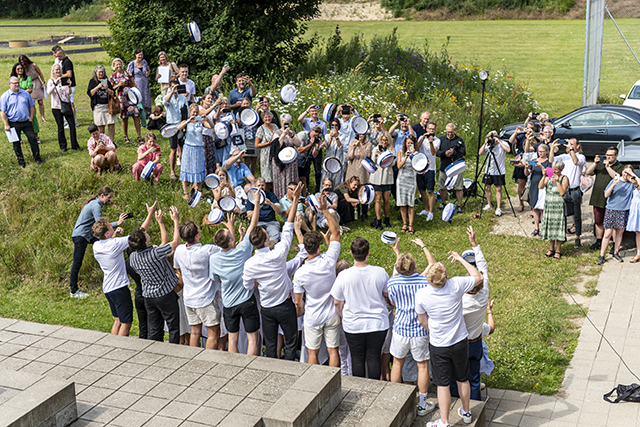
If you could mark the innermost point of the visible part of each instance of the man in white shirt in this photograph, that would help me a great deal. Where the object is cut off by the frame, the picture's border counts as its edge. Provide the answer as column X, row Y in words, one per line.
column 115, row 285
column 430, row 144
column 570, row 152
column 315, row 279
column 267, row 271
column 184, row 79
column 494, row 170
column 439, row 309
column 191, row 260
column 346, row 133
column 474, row 309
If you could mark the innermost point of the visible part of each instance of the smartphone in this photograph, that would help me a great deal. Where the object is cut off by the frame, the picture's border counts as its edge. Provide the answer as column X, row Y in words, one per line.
column 286, row 125
column 104, row 82
column 182, row 88
column 226, row 64
column 532, row 163
column 513, row 162
column 129, row 215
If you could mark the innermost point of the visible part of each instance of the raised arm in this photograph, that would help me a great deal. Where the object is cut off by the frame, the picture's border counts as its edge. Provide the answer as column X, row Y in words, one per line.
column 334, row 227
column 473, row 272
column 430, row 259
column 255, row 215
column 164, row 237
column 173, row 212
column 150, row 211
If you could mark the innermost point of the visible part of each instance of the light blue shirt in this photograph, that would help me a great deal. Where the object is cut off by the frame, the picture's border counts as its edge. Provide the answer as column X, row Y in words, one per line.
column 173, row 107
column 227, row 267
column 16, row 105
column 310, row 124
column 400, row 135
column 194, row 135
column 621, row 195
column 402, row 291
column 91, row 212
column 238, row 173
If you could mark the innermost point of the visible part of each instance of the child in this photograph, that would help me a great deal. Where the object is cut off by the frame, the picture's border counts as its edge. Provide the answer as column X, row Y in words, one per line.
column 157, row 118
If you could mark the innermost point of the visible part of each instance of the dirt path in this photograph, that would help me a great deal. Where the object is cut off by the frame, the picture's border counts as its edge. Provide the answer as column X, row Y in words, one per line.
column 354, row 11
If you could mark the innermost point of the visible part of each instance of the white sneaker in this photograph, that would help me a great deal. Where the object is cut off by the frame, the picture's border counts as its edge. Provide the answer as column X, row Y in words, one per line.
column 78, row 294
column 424, row 410
column 429, row 216
column 498, row 212
column 466, row 416
column 437, row 423
column 486, row 207
column 423, row 212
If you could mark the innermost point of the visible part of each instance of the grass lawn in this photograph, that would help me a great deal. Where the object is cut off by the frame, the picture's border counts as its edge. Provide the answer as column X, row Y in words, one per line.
column 57, row 28
column 548, row 55
column 39, row 205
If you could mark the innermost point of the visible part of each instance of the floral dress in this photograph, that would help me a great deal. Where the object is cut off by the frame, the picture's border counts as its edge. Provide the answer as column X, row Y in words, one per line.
column 126, row 110
column 282, row 177
column 142, row 81
column 553, row 226
column 265, row 134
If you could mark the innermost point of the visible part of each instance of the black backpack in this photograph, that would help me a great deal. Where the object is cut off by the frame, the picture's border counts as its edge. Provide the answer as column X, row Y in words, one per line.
column 628, row 393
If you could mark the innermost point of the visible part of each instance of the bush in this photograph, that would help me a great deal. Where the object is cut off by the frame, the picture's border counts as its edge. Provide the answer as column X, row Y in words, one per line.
column 476, row 6
column 38, row 8
column 94, row 12
column 386, row 78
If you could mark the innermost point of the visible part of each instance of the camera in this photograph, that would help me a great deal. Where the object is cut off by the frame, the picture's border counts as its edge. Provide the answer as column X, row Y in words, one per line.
column 562, row 142
column 534, row 116
column 458, row 145
column 317, row 140
column 403, row 117
column 381, row 148
column 286, row 125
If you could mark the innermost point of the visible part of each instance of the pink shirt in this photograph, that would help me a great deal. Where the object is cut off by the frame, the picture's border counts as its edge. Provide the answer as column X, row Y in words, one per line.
column 104, row 139
column 64, row 92
column 151, row 157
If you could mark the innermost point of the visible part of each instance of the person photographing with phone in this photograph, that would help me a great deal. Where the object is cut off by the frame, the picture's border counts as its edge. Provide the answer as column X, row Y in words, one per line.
column 193, row 167
column 495, row 170
column 569, row 152
column 173, row 103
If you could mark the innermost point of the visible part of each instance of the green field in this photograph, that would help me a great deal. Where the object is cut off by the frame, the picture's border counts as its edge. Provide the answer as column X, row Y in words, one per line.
column 547, row 55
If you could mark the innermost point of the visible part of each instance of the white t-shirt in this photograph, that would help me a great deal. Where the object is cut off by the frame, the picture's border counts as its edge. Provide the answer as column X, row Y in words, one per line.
column 191, row 88
column 108, row 253
column 426, row 150
column 474, row 307
column 571, row 170
column 491, row 168
column 193, row 262
column 361, row 289
column 206, row 130
column 444, row 308
column 316, row 278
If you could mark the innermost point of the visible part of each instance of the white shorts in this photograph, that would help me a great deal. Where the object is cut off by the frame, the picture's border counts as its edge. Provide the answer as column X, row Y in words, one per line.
column 322, row 222
column 73, row 90
column 209, row 315
column 330, row 331
column 419, row 347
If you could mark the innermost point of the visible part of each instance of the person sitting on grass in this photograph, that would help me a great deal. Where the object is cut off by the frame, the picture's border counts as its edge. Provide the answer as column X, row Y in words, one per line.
column 157, row 119
column 102, row 151
column 108, row 251
column 439, row 309
column 268, row 211
column 148, row 152
column 159, row 281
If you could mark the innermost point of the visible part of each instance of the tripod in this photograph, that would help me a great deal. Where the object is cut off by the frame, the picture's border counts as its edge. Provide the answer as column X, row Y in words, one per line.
column 482, row 187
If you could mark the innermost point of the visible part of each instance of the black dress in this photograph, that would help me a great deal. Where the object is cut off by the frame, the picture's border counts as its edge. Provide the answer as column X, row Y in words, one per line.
column 536, row 175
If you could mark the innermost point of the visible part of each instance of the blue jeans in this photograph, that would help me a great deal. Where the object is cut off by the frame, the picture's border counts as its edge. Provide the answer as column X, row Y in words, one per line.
column 475, row 355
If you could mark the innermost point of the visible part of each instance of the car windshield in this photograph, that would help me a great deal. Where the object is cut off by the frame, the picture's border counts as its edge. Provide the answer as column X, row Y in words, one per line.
column 635, row 93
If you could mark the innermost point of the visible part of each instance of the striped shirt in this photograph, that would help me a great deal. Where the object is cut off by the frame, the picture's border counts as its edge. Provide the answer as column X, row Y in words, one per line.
column 402, row 291
column 156, row 273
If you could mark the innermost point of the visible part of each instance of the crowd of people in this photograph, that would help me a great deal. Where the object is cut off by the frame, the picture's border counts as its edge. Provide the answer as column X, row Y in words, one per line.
column 241, row 293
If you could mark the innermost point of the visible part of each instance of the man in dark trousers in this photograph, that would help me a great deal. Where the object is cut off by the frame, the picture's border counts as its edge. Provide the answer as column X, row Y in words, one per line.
column 451, row 149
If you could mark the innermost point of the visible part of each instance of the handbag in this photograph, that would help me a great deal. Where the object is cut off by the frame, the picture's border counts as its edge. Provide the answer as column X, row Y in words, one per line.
column 525, row 195
column 542, row 195
column 628, row 393
column 114, row 105
column 65, row 107
column 220, row 143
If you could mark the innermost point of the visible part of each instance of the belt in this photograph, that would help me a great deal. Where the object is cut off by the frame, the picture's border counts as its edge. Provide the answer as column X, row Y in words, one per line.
column 476, row 339
column 574, row 188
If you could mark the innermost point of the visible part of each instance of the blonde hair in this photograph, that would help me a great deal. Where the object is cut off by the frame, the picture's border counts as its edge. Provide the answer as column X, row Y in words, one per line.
column 113, row 63
column 53, row 67
column 406, row 264
column 341, row 265
column 437, row 275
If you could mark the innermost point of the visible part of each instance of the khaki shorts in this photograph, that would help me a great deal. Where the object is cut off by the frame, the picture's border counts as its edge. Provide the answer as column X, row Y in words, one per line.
column 101, row 116
column 330, row 331
column 419, row 347
column 442, row 178
column 209, row 315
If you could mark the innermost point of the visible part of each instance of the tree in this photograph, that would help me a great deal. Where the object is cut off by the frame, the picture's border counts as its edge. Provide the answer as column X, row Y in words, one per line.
column 260, row 37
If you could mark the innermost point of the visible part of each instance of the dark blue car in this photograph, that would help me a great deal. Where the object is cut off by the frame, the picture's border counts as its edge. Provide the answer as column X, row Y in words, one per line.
column 596, row 127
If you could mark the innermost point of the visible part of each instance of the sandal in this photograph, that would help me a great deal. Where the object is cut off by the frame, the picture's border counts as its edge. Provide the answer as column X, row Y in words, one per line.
column 404, row 228
column 140, row 140
column 557, row 255
column 520, row 208
column 185, row 196
column 535, row 233
column 126, row 139
column 550, row 254
column 173, row 176
column 571, row 230
column 635, row 259
column 411, row 231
